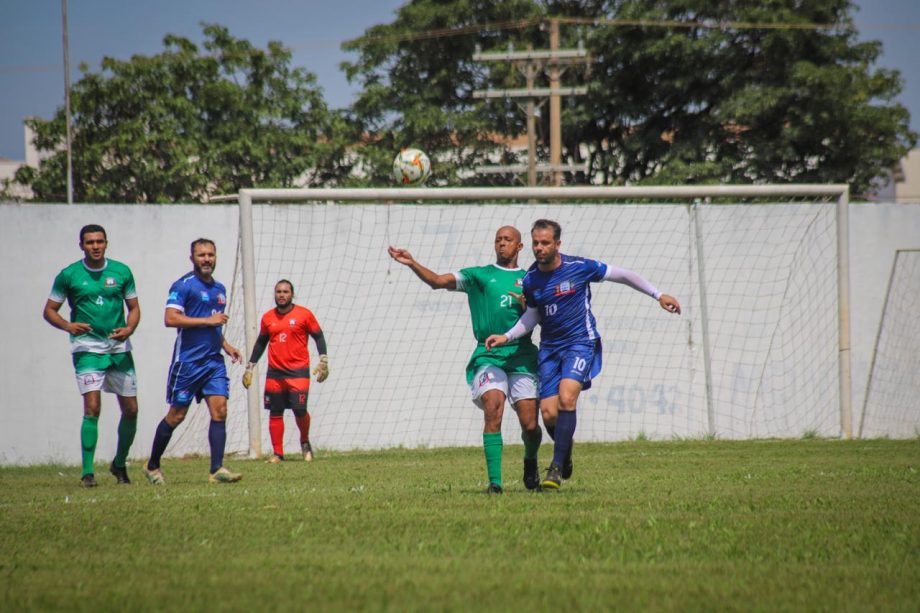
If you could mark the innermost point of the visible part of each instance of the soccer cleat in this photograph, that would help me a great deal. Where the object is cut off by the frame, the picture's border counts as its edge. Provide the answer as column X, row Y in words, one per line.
column 88, row 480
column 275, row 459
column 567, row 466
column 531, row 474
column 553, row 478
column 307, row 451
column 120, row 474
column 224, row 476
column 494, row 488
column 155, row 476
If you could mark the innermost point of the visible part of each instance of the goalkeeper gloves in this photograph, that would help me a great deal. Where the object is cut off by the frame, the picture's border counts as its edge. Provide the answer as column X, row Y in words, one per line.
column 247, row 376
column 322, row 369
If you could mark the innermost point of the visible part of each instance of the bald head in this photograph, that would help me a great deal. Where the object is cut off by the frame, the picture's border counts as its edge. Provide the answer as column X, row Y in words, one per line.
column 507, row 246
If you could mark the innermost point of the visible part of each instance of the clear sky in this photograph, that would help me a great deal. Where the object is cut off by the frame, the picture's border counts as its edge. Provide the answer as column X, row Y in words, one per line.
column 31, row 57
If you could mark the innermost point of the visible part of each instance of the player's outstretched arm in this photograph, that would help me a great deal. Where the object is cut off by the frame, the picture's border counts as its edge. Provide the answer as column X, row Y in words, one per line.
column 527, row 322
column 495, row 340
column 669, row 303
column 433, row 279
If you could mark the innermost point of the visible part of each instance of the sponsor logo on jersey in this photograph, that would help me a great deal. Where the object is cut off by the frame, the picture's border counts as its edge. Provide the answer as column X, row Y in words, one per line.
column 221, row 299
column 205, row 297
column 293, row 322
column 492, row 280
column 110, row 282
column 99, row 300
column 564, row 288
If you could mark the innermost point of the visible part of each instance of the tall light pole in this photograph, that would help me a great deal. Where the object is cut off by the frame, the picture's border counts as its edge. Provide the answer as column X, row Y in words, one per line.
column 67, row 105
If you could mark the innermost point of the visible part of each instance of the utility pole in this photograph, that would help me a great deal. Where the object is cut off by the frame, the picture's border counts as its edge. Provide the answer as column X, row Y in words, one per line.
column 530, row 63
column 66, row 45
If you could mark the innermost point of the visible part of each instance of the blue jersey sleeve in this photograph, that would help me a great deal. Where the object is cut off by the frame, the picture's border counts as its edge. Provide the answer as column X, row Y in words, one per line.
column 176, row 298
column 594, row 270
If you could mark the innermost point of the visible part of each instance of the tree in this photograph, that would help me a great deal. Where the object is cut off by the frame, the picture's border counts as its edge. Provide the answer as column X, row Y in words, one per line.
column 681, row 91
column 184, row 124
column 417, row 79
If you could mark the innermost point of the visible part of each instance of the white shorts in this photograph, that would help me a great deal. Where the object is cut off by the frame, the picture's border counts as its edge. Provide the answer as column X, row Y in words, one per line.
column 111, row 380
column 515, row 386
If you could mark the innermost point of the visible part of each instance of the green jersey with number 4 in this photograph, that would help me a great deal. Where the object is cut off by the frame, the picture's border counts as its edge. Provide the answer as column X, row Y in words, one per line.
column 494, row 310
column 97, row 298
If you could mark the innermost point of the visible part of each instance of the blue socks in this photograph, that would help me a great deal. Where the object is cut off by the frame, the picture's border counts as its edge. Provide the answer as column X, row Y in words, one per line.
column 217, row 437
column 565, row 430
column 160, row 441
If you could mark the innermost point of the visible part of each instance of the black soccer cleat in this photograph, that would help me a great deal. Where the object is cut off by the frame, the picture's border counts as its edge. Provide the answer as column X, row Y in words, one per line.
column 567, row 465
column 531, row 474
column 120, row 474
column 88, row 480
column 553, row 478
column 494, row 488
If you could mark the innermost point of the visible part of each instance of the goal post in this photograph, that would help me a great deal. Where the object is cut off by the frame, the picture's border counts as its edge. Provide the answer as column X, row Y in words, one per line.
column 705, row 254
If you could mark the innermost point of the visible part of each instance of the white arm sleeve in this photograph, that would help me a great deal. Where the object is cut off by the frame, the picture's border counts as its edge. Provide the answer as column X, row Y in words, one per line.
column 525, row 324
column 633, row 280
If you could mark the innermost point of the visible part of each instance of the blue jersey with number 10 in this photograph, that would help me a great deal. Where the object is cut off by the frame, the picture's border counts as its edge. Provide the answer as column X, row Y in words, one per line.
column 563, row 299
column 195, row 298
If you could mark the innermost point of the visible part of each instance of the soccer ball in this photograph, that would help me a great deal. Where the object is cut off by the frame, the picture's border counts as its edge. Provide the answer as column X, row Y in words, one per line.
column 411, row 167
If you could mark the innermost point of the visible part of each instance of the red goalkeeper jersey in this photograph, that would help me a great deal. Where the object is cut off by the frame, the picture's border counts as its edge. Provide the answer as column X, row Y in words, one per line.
column 288, row 354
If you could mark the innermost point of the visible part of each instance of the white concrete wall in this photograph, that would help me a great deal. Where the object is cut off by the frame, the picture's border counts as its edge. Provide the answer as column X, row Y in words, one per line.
column 40, row 406
column 41, row 409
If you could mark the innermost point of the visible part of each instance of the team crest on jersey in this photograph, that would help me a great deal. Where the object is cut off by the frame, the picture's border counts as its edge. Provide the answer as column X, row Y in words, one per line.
column 566, row 287
column 110, row 282
column 205, row 297
column 293, row 322
column 221, row 299
column 519, row 282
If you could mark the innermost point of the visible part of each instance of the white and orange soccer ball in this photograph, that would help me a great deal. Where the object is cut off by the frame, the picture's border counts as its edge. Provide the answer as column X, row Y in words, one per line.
column 411, row 167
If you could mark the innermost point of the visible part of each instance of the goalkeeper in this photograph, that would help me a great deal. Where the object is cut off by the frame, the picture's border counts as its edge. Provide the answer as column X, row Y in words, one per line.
column 494, row 296
column 284, row 331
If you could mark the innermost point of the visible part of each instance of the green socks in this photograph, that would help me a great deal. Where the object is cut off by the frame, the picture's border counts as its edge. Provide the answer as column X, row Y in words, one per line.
column 127, row 428
column 492, row 444
column 532, row 443
column 89, row 435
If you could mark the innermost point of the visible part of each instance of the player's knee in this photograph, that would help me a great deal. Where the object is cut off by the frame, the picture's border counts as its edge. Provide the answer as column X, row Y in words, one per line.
column 277, row 412
column 176, row 416
column 300, row 413
column 92, row 405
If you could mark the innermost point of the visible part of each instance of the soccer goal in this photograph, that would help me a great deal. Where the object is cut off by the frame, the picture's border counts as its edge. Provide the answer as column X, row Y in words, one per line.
column 761, row 350
column 890, row 407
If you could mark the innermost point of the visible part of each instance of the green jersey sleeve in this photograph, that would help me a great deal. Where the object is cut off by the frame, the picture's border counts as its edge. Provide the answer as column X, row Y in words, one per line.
column 60, row 287
column 468, row 279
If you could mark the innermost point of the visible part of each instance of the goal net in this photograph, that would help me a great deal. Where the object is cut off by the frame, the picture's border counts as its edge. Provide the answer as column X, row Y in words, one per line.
column 891, row 407
column 755, row 353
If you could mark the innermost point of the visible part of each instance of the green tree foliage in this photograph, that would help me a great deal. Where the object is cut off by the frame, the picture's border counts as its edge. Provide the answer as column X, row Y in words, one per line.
column 186, row 123
column 713, row 97
column 417, row 78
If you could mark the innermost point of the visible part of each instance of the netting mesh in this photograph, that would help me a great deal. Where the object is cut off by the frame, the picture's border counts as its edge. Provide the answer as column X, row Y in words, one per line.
column 398, row 349
column 892, row 407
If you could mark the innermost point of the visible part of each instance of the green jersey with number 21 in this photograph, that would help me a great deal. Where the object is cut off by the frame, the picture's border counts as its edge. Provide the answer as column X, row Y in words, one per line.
column 494, row 310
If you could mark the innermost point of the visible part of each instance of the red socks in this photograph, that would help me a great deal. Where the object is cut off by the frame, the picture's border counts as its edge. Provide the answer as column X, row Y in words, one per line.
column 276, row 432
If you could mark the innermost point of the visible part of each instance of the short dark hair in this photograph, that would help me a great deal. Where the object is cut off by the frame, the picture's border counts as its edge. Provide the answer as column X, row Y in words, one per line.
column 90, row 228
column 201, row 241
column 543, row 224
column 285, row 281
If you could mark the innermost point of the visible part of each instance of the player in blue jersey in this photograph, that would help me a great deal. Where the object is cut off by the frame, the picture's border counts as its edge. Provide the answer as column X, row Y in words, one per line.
column 558, row 294
column 195, row 307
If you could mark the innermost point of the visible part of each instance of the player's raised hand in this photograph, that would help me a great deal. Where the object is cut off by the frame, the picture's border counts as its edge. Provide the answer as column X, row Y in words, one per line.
column 495, row 340
column 400, row 255
column 669, row 303
column 321, row 372
column 77, row 328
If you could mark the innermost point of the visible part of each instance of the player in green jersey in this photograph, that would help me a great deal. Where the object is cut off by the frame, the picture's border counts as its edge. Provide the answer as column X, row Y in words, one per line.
column 493, row 293
column 97, row 290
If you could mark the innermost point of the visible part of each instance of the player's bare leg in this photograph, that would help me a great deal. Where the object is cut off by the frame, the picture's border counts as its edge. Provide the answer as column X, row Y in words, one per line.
column 217, row 439
column 127, row 428
column 89, row 435
column 493, row 407
column 532, row 435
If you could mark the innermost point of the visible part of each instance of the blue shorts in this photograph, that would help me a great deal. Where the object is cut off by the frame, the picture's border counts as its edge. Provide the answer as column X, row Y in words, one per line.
column 579, row 362
column 188, row 380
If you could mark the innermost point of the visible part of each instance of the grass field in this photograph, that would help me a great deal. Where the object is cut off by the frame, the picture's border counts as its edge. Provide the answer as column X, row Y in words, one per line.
column 683, row 525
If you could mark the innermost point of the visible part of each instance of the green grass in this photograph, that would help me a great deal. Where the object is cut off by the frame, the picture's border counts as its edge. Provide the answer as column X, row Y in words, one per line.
column 681, row 525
